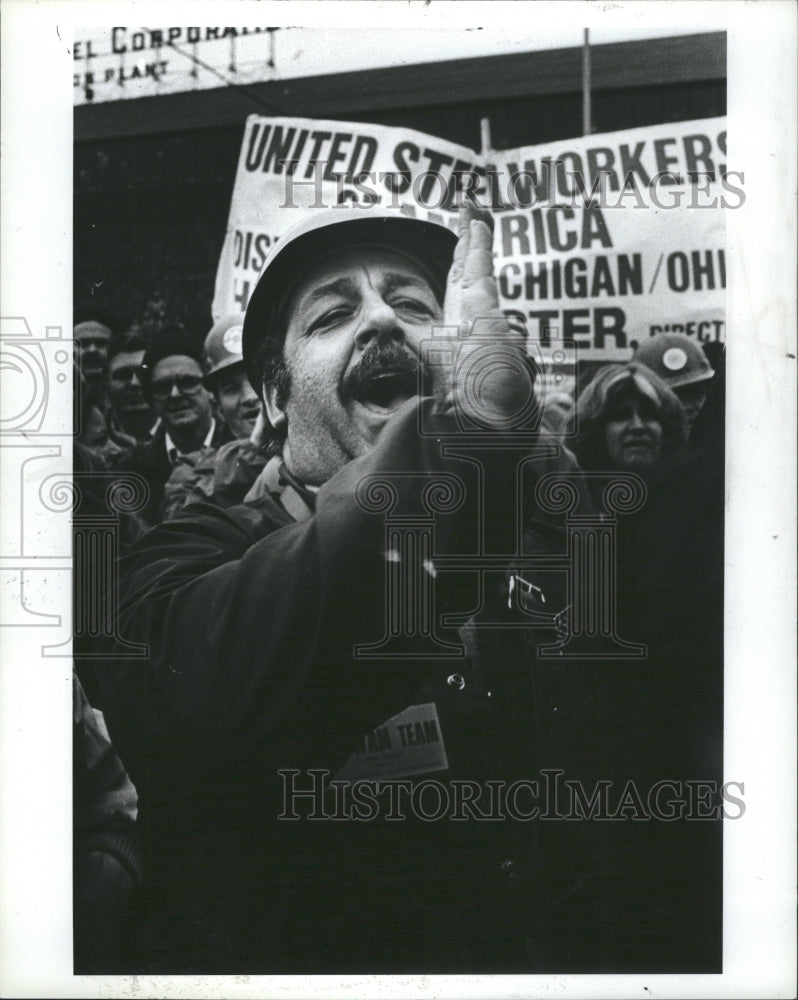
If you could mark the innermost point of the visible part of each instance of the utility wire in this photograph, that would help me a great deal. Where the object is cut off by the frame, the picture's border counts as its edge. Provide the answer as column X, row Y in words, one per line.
column 242, row 88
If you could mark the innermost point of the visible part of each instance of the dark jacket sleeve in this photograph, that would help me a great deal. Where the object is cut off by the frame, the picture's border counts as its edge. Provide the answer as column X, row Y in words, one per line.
column 253, row 636
column 105, row 801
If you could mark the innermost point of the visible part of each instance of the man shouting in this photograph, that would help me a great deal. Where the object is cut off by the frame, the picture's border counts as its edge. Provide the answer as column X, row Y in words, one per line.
column 340, row 735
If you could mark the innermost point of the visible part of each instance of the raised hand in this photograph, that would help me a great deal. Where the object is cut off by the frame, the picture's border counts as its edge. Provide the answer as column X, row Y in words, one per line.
column 491, row 382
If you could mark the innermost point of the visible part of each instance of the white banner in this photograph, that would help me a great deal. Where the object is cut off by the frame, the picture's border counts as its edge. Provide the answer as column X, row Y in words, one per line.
column 609, row 239
column 290, row 167
column 600, row 241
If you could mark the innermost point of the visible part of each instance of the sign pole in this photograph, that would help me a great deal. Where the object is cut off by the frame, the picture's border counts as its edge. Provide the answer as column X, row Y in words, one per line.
column 485, row 138
column 586, row 111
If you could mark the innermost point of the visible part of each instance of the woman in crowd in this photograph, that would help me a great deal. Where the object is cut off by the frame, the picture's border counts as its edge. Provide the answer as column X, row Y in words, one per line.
column 627, row 420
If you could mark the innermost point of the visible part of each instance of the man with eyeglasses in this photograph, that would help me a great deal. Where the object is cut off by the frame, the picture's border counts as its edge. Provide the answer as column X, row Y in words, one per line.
column 224, row 474
column 172, row 380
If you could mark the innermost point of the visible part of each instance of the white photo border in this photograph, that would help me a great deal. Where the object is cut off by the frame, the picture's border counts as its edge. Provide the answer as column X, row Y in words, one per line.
column 760, row 685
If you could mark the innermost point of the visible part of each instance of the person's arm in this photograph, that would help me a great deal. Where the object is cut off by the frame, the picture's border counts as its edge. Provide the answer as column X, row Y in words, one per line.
column 247, row 633
column 107, row 854
column 243, row 629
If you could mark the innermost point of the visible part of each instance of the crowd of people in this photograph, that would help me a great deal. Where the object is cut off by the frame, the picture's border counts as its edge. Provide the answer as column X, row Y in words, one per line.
column 289, row 459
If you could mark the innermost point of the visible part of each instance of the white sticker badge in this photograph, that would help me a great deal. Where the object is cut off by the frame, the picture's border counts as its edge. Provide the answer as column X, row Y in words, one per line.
column 674, row 359
column 408, row 743
column 232, row 339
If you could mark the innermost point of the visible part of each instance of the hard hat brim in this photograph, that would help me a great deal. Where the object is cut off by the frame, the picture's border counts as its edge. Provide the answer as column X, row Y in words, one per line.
column 209, row 378
column 694, row 379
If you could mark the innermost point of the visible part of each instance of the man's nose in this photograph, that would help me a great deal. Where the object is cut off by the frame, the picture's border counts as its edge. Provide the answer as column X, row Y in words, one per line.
column 175, row 391
column 134, row 379
column 379, row 322
column 636, row 419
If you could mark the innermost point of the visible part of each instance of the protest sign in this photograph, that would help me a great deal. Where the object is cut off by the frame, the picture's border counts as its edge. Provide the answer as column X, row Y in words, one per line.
column 290, row 167
column 601, row 241
column 607, row 240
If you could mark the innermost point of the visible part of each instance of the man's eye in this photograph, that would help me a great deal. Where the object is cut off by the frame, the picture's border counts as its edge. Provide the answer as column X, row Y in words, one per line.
column 329, row 318
column 412, row 305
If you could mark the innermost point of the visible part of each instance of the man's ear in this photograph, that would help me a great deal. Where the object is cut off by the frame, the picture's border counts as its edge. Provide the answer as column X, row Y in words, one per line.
column 275, row 413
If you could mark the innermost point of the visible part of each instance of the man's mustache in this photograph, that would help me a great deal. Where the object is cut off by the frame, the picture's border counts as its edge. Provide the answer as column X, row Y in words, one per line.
column 383, row 358
column 638, row 437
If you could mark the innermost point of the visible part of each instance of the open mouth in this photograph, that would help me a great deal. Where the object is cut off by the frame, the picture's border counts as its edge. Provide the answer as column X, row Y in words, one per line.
column 385, row 392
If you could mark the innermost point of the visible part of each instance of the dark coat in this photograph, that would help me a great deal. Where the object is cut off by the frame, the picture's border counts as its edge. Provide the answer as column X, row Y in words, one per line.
column 150, row 460
column 253, row 621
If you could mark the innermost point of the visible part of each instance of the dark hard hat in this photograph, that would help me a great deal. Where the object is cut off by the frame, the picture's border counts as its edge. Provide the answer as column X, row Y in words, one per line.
column 223, row 346
column 675, row 358
column 430, row 244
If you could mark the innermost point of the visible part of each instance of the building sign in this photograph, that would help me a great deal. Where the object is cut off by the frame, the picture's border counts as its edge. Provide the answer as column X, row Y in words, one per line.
column 115, row 63
column 118, row 63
